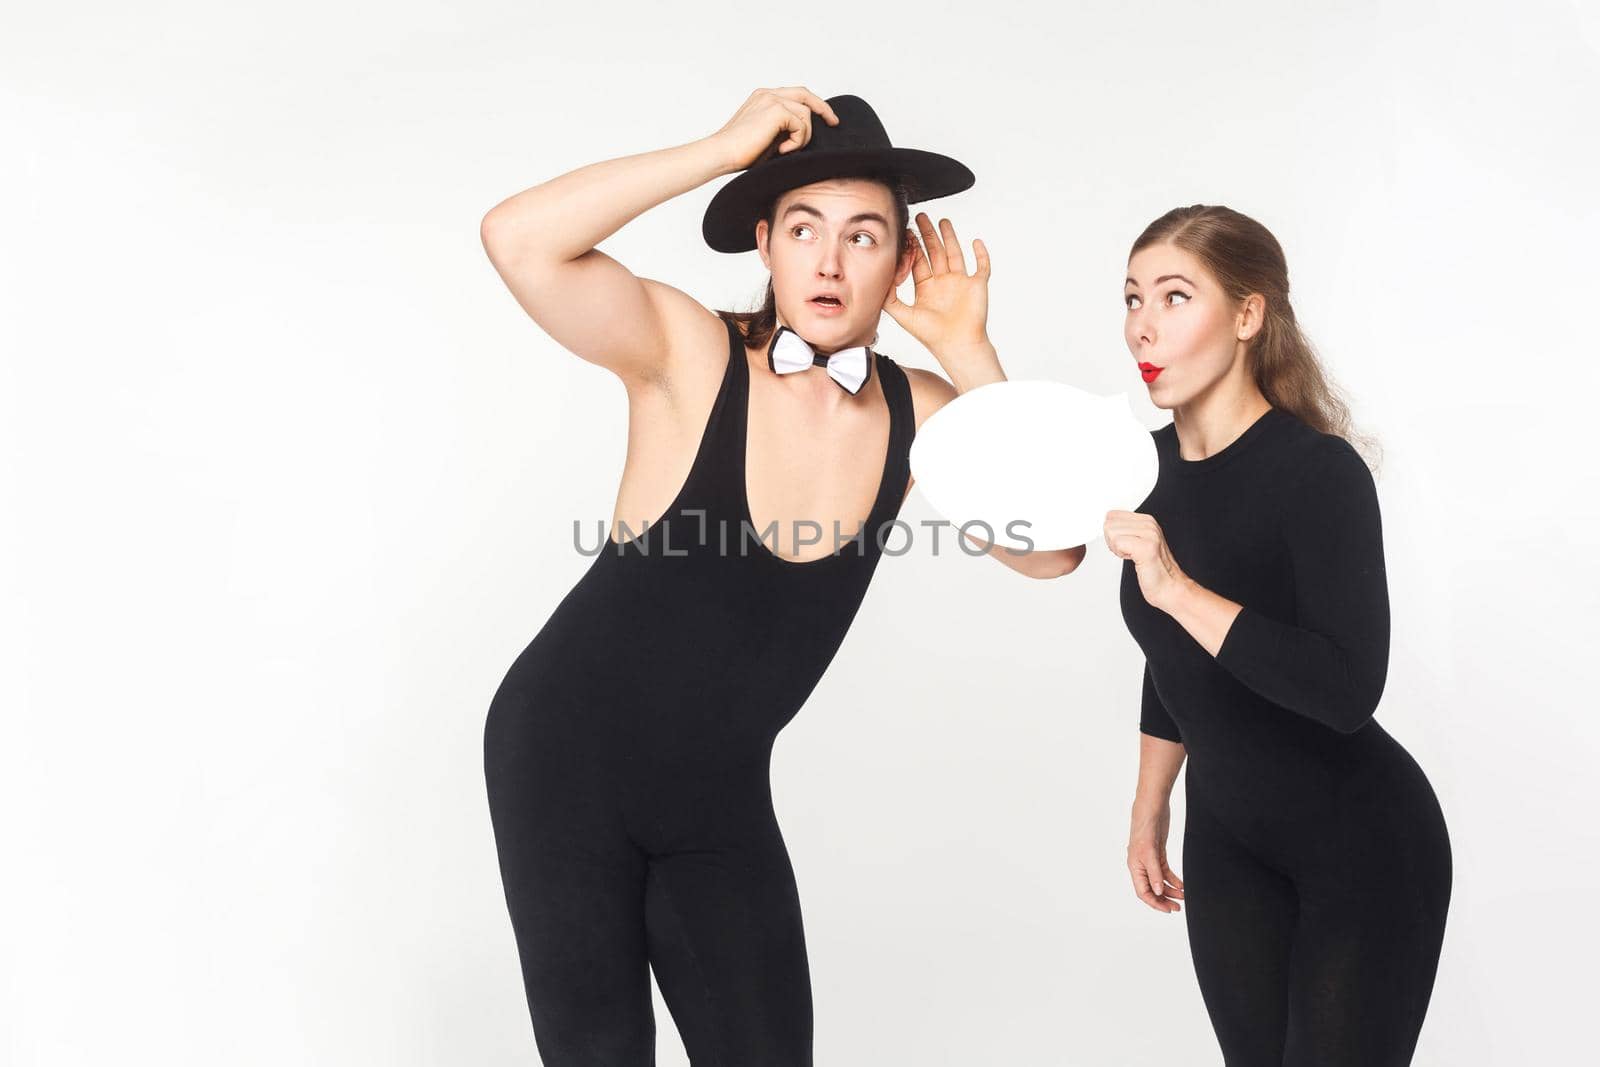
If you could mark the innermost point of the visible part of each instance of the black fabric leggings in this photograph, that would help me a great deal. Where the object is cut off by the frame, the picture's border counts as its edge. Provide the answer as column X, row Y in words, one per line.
column 609, row 872
column 1331, row 968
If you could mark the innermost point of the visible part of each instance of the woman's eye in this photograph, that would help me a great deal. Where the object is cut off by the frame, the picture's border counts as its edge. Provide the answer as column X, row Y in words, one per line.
column 1177, row 292
column 1131, row 300
column 870, row 239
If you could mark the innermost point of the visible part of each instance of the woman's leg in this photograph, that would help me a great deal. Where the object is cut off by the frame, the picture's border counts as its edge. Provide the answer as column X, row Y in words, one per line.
column 1241, row 917
column 1359, row 985
column 1371, row 927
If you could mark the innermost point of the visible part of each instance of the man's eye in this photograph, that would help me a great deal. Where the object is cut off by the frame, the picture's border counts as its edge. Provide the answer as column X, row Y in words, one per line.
column 795, row 231
column 1176, row 292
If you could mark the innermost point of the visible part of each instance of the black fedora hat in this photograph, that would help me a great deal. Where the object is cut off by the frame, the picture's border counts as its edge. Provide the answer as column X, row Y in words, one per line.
column 857, row 147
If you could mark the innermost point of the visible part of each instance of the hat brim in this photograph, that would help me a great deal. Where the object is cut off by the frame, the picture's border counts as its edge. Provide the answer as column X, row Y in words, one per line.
column 730, row 220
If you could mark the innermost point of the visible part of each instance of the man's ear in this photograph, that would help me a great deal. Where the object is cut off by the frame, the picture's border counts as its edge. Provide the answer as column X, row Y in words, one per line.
column 908, row 255
column 761, row 242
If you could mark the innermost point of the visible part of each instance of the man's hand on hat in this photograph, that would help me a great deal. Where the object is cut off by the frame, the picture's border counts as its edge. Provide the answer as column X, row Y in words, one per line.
column 950, row 311
column 763, row 118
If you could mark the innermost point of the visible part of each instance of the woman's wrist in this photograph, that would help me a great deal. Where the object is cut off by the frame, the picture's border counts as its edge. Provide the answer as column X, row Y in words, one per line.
column 1178, row 596
column 1150, row 804
column 1207, row 616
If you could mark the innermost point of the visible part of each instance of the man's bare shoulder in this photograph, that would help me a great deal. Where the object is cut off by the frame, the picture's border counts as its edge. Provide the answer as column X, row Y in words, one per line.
column 696, row 338
column 929, row 392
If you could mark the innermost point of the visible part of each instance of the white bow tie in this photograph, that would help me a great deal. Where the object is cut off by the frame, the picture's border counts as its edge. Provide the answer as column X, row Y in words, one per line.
column 850, row 367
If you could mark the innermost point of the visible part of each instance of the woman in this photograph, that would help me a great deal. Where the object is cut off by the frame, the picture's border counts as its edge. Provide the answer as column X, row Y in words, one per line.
column 1318, row 866
column 626, row 751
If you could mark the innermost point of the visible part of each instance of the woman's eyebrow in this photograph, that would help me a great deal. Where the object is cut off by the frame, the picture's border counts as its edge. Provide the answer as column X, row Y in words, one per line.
column 1163, row 278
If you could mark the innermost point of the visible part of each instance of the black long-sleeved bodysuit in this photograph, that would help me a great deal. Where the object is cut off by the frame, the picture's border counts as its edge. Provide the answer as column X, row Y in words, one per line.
column 626, row 757
column 1316, row 864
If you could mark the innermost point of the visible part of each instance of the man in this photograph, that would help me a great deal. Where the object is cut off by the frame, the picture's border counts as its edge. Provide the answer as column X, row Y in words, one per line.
column 627, row 749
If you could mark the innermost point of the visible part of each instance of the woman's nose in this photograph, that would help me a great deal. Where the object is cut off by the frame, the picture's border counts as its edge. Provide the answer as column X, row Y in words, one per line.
column 1141, row 330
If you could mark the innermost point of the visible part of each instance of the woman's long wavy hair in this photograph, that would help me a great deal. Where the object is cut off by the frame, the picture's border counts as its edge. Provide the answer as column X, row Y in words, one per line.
column 1245, row 258
column 758, row 325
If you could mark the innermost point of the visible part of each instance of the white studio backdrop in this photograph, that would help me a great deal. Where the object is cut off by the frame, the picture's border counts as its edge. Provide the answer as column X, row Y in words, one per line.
column 289, row 480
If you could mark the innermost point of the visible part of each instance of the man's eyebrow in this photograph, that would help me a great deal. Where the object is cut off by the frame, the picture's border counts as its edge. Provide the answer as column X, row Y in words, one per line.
column 864, row 216
column 1163, row 278
column 869, row 216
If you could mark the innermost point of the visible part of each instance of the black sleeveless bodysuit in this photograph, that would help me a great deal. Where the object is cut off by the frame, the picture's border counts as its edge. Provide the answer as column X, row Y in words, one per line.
column 626, row 757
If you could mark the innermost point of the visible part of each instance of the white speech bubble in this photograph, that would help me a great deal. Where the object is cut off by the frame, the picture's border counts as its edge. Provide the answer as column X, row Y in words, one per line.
column 1045, row 453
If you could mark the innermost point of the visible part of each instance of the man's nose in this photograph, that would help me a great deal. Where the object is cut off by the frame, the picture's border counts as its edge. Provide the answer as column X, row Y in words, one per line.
column 831, row 265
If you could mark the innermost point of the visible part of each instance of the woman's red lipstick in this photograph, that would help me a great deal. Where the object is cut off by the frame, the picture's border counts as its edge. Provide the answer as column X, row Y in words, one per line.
column 1148, row 372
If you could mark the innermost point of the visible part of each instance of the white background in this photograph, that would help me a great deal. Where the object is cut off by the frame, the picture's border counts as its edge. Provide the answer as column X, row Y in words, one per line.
column 289, row 481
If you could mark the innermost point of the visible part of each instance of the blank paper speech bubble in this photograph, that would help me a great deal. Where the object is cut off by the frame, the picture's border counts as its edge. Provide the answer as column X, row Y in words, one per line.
column 1046, row 453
